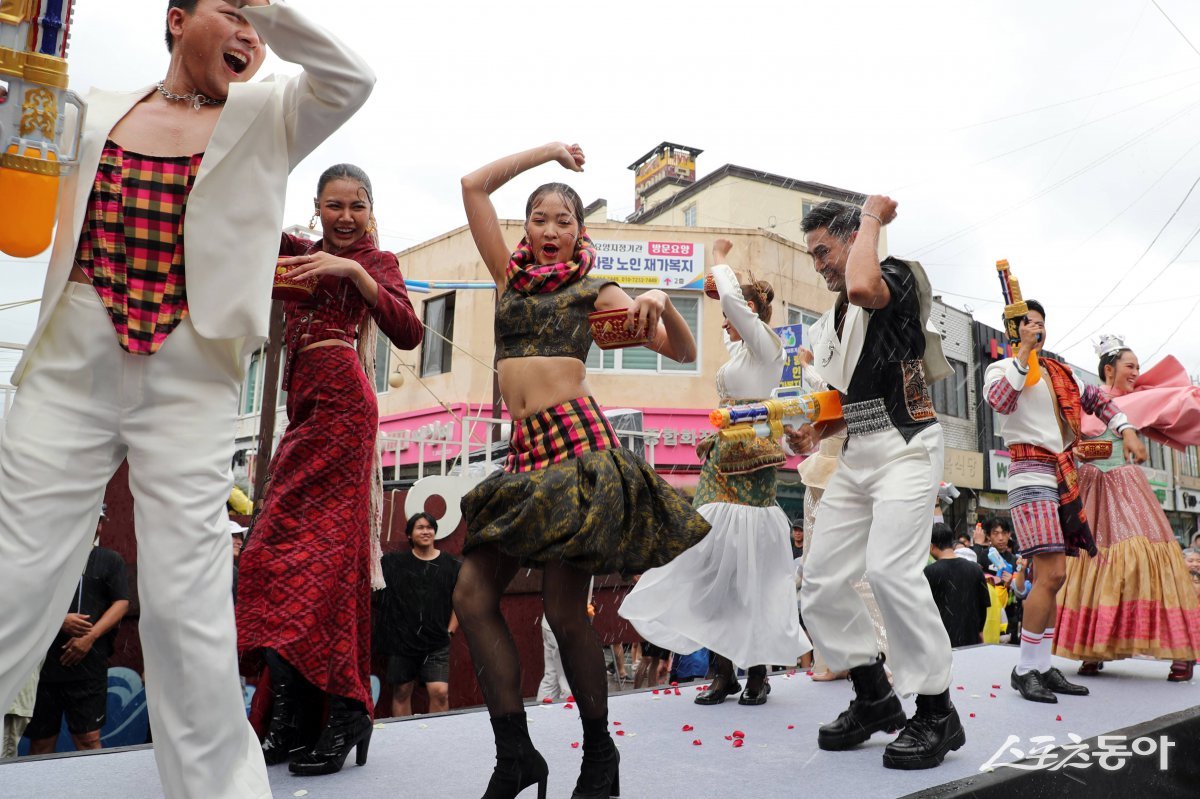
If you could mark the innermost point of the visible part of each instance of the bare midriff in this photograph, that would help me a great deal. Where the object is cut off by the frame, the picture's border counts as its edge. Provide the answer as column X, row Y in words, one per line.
column 535, row 383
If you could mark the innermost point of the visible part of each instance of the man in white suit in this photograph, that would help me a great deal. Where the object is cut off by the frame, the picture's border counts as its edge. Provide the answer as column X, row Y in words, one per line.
column 86, row 402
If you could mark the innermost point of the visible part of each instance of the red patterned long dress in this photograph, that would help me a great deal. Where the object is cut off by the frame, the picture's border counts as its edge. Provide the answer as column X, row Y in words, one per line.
column 304, row 577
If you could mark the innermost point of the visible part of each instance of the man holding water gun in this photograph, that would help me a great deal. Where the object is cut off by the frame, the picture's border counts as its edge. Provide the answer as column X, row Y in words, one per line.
column 876, row 348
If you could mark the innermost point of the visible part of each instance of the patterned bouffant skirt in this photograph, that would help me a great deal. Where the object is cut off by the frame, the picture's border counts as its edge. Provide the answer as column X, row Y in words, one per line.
column 304, row 578
column 569, row 492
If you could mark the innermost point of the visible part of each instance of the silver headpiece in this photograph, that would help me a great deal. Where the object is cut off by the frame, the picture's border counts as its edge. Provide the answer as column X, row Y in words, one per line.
column 1108, row 344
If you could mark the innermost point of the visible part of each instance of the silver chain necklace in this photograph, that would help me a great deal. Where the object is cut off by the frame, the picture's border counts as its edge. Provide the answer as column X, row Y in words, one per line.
column 197, row 100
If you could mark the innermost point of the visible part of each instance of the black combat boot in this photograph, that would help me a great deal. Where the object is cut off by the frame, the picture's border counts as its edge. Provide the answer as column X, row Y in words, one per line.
column 932, row 732
column 875, row 708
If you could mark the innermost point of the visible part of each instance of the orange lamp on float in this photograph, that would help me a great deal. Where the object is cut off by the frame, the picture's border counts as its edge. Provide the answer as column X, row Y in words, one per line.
column 33, row 48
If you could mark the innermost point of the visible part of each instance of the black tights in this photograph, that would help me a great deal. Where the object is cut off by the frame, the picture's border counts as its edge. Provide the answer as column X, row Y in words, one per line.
column 486, row 572
column 723, row 673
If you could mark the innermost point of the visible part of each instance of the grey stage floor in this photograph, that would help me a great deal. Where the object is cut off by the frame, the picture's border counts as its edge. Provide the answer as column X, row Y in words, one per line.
column 451, row 755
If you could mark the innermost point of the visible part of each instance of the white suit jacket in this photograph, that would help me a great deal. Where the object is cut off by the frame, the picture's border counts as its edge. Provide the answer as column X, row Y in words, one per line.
column 235, row 209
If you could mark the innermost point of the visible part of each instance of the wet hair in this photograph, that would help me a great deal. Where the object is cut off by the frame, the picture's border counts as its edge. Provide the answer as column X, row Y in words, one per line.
column 412, row 523
column 839, row 219
column 761, row 294
column 993, row 522
column 561, row 189
column 189, row 6
column 942, row 537
column 1110, row 359
column 346, row 172
column 1033, row 305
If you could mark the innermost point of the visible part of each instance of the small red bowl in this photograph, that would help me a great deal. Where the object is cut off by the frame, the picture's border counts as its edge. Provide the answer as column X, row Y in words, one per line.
column 609, row 331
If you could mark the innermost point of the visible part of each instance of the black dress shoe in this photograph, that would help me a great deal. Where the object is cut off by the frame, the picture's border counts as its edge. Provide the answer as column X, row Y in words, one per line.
column 934, row 730
column 1053, row 680
column 1030, row 686
column 755, row 696
column 716, row 693
column 875, row 708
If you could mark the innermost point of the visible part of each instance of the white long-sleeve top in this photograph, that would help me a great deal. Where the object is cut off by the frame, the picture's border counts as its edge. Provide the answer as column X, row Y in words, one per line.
column 755, row 364
column 1029, row 415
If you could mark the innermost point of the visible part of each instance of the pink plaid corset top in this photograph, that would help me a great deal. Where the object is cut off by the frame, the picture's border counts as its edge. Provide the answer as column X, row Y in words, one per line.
column 131, row 244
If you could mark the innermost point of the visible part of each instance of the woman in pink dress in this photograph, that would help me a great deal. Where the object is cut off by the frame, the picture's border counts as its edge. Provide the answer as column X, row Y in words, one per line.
column 1136, row 597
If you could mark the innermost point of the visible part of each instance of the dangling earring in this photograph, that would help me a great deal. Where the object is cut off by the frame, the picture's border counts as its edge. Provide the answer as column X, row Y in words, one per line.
column 312, row 223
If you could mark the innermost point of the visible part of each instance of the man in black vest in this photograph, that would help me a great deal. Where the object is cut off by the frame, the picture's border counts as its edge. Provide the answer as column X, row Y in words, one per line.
column 875, row 348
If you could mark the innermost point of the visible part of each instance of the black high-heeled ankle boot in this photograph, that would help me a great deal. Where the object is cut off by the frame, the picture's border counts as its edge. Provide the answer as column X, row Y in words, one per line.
column 600, row 772
column 283, row 738
column 349, row 728
column 518, row 764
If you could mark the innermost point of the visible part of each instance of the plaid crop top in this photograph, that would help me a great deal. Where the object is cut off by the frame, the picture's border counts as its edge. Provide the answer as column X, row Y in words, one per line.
column 552, row 324
column 131, row 245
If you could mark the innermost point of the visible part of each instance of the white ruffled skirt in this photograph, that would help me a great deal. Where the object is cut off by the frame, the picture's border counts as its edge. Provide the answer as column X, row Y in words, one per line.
column 733, row 593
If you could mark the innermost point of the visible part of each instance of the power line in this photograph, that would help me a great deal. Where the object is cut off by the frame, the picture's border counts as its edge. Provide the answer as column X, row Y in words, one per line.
column 1186, row 318
column 1176, row 27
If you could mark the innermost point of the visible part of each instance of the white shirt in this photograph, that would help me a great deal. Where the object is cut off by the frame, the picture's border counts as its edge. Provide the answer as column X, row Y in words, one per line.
column 755, row 364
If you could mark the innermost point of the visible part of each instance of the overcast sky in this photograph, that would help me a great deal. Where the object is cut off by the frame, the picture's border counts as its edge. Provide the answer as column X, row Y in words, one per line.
column 1059, row 135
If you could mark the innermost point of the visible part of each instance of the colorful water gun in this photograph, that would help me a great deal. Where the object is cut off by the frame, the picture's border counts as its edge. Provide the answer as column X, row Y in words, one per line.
column 1003, row 567
column 766, row 419
column 1014, row 308
column 33, row 63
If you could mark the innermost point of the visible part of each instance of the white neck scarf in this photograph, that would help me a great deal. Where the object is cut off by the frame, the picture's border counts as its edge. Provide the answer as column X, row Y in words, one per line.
column 836, row 359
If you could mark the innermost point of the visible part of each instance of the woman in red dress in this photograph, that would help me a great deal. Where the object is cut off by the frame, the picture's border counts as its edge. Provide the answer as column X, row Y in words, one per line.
column 305, row 576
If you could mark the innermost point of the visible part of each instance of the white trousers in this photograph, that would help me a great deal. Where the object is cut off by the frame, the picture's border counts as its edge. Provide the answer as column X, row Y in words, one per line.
column 554, row 685
column 85, row 405
column 877, row 516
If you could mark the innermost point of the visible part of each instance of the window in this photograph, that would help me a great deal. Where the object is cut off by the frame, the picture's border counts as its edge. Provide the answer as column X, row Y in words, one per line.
column 643, row 360
column 1159, row 459
column 1189, row 461
column 689, row 216
column 799, row 316
column 383, row 362
column 950, row 395
column 439, row 335
column 252, row 388
column 805, row 207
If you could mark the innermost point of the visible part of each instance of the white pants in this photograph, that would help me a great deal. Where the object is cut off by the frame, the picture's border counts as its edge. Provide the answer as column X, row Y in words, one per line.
column 85, row 405
column 877, row 516
column 554, row 684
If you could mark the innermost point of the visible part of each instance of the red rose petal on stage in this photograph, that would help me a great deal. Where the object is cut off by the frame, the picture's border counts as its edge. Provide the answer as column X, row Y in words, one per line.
column 972, row 715
column 620, row 732
column 674, row 685
column 738, row 743
column 568, row 706
column 575, row 744
column 809, row 673
column 655, row 691
column 993, row 696
column 791, row 726
column 677, row 692
column 571, row 698
column 995, row 686
column 739, row 734
column 728, row 737
column 616, row 724
column 1058, row 718
column 696, row 742
column 547, row 701
column 960, row 688
column 687, row 728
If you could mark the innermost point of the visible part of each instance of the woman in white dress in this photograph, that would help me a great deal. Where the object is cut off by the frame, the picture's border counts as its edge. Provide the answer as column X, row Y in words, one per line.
column 734, row 592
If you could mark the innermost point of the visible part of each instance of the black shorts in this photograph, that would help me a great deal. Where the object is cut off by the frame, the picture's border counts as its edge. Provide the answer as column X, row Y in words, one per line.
column 432, row 667
column 649, row 650
column 83, row 702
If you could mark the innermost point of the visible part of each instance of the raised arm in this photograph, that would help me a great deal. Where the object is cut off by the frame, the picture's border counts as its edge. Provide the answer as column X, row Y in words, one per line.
column 865, row 286
column 335, row 82
column 477, row 189
column 749, row 326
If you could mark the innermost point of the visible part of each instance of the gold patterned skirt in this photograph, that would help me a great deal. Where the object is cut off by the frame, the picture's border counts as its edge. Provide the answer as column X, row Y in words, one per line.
column 571, row 493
